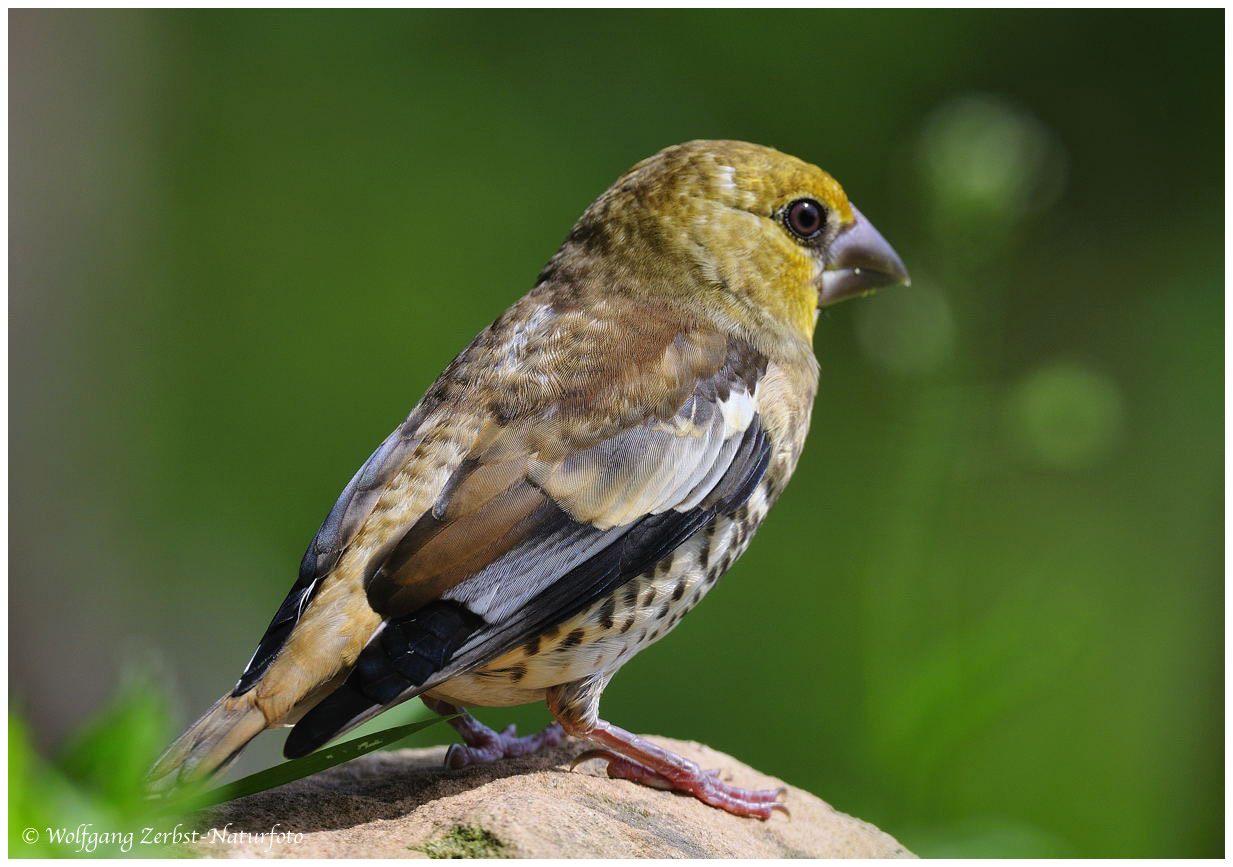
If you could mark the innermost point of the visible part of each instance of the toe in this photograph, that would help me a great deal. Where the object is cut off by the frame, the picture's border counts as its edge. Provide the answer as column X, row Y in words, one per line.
column 589, row 755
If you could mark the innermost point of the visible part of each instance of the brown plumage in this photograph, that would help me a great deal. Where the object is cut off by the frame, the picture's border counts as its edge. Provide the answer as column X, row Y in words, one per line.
column 578, row 477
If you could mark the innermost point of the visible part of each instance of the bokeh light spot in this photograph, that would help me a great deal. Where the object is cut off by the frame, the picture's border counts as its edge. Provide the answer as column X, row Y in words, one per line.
column 984, row 156
column 1065, row 415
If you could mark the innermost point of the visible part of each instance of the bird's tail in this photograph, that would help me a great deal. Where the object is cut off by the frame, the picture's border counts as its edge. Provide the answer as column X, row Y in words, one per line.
column 210, row 744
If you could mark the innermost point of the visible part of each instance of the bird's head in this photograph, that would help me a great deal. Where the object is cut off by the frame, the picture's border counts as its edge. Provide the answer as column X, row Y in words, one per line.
column 757, row 237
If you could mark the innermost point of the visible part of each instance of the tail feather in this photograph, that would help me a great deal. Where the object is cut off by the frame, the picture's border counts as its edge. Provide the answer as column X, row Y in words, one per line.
column 210, row 744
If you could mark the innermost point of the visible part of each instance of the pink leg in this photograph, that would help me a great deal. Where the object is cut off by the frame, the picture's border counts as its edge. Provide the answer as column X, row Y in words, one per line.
column 482, row 744
column 633, row 758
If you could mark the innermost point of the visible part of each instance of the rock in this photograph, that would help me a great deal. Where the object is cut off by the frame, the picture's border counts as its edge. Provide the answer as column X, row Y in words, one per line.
column 405, row 804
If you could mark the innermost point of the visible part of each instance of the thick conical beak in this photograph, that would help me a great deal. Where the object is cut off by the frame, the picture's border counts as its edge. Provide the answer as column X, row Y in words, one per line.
column 859, row 261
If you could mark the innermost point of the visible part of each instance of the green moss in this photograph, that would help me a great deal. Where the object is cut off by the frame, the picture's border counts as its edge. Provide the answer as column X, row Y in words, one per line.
column 465, row 841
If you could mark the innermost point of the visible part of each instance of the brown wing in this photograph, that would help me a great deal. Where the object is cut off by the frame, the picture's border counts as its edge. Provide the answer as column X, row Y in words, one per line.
column 542, row 383
column 542, row 495
column 568, row 489
column 518, row 542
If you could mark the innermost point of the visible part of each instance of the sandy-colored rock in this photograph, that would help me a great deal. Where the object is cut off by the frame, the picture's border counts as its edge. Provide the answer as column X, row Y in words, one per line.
column 405, row 804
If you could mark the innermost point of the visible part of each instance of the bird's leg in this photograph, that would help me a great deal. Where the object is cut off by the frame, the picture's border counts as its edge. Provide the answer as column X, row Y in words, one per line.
column 482, row 744
column 630, row 757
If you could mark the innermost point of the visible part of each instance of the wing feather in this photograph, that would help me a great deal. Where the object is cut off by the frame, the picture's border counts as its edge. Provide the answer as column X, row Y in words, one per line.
column 547, row 580
column 563, row 491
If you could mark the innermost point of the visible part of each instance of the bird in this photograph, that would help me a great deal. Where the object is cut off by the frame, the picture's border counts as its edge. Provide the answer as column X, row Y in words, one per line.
column 576, row 480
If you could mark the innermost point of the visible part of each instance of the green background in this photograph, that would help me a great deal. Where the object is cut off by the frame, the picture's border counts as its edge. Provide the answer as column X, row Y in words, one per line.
column 987, row 613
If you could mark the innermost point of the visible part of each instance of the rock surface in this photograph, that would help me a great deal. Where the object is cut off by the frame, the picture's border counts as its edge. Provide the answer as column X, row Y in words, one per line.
column 405, row 804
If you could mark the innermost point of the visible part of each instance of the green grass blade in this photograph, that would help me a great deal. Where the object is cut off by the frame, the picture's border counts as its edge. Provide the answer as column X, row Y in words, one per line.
column 299, row 768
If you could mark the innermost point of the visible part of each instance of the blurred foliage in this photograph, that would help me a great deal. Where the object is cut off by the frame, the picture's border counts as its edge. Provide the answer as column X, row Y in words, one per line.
column 986, row 614
column 90, row 800
column 87, row 801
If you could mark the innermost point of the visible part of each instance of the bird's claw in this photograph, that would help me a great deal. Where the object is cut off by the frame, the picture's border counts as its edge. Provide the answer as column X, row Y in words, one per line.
column 587, row 756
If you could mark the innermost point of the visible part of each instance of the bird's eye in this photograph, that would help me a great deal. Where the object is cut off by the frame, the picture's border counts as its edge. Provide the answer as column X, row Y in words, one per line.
column 805, row 218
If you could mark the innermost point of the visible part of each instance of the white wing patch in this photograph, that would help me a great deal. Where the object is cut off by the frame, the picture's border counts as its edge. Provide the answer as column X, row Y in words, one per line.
column 652, row 468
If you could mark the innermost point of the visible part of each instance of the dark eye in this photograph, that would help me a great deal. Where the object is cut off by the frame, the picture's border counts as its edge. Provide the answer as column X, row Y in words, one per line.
column 806, row 218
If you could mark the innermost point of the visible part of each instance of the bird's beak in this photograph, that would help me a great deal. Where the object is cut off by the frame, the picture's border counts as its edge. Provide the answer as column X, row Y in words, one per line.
column 859, row 261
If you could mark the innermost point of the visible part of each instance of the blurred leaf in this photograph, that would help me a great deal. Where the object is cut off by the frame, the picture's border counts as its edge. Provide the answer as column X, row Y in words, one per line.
column 111, row 753
column 60, row 818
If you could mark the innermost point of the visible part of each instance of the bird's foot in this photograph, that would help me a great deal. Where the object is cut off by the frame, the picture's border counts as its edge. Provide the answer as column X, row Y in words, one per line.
column 482, row 744
column 662, row 769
